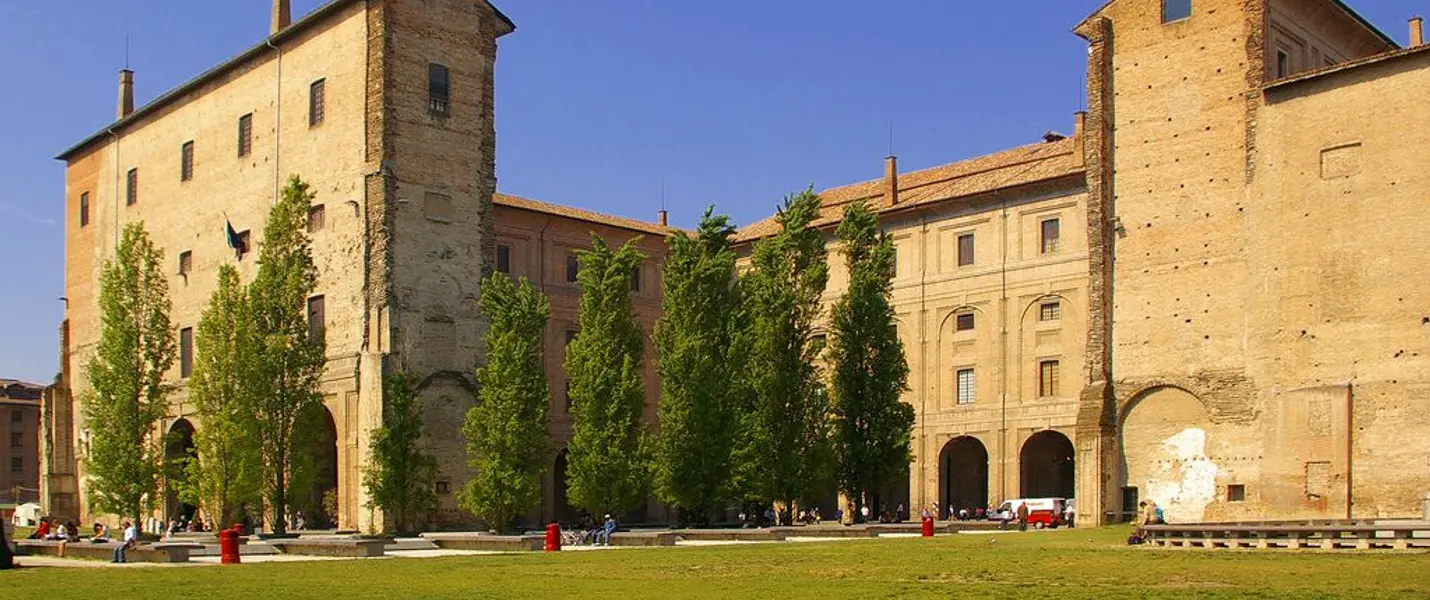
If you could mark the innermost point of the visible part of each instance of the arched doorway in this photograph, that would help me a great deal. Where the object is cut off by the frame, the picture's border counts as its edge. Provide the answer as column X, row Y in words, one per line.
column 1047, row 466
column 562, row 510
column 178, row 451
column 1167, row 439
column 893, row 495
column 315, row 469
column 963, row 475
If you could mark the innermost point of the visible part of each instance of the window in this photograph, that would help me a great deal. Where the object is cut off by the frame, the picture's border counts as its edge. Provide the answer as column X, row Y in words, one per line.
column 1236, row 492
column 1176, row 10
column 16, row 416
column 1047, row 379
column 573, row 267
column 438, row 86
column 963, row 322
column 84, row 209
column 965, row 249
column 1283, row 64
column 443, row 487
column 186, row 262
column 504, row 259
column 1050, row 311
column 316, row 319
column 636, row 278
column 965, row 386
column 186, row 161
column 186, row 352
column 1050, row 235
column 316, row 218
column 245, row 134
column 17, row 465
column 17, row 439
column 315, row 103
column 1129, row 503
column 131, row 187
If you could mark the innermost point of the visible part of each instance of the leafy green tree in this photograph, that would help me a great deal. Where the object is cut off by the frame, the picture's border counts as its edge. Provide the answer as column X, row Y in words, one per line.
column 128, row 396
column 872, row 426
column 609, row 468
column 788, row 454
column 400, row 474
column 697, row 399
column 288, row 360
column 507, row 440
column 225, row 473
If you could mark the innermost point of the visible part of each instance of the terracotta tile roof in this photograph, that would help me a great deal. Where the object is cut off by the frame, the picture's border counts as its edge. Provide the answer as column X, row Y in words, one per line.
column 5, row 384
column 963, row 179
column 501, row 199
column 1345, row 66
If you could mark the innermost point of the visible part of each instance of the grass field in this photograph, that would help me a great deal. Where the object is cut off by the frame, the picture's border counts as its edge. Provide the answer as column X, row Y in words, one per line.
column 1066, row 565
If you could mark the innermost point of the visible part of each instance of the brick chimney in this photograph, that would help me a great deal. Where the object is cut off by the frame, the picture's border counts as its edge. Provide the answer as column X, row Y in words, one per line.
column 891, row 180
column 1079, row 133
column 1417, row 32
column 126, row 92
column 282, row 16
column 661, row 217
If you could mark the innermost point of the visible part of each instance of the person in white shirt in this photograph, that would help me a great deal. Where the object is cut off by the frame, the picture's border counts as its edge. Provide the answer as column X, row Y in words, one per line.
column 131, row 537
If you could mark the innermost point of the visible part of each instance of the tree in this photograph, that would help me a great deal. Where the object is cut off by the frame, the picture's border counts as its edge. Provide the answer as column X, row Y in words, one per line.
column 400, row 474
column 225, row 474
column 608, row 465
column 872, row 426
column 288, row 359
column 128, row 396
column 507, row 441
column 697, row 397
column 787, row 454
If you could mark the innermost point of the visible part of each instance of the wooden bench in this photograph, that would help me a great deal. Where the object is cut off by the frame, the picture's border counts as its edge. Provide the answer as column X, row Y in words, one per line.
column 1359, row 535
column 160, row 552
column 487, row 542
column 348, row 548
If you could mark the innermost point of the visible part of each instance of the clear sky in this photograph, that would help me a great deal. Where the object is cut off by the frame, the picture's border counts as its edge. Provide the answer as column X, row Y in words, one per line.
column 735, row 103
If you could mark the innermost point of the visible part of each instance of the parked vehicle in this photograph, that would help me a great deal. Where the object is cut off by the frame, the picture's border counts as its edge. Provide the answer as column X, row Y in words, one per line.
column 1042, row 512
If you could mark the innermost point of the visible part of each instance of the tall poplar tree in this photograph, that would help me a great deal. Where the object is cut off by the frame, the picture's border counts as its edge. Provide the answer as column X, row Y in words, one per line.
column 400, row 474
column 872, row 426
column 507, row 440
column 224, row 475
column 788, row 454
column 608, row 467
column 697, row 394
column 288, row 361
column 128, row 397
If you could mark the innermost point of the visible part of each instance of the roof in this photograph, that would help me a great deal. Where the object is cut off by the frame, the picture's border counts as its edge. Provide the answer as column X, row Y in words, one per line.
column 509, row 200
column 310, row 20
column 1346, row 66
column 5, row 384
column 960, row 180
column 1340, row 4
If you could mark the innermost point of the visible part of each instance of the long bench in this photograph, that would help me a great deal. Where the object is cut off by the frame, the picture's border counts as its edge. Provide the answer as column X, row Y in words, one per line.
column 160, row 552
column 1327, row 535
column 732, row 535
column 643, row 538
column 487, row 542
column 348, row 548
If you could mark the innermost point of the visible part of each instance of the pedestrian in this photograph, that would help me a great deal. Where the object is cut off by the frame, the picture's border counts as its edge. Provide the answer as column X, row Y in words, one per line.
column 131, row 537
column 900, row 515
column 864, row 513
column 1023, row 516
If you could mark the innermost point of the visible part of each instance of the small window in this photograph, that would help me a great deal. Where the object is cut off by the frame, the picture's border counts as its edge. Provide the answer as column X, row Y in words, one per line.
column 443, row 487
column 965, row 249
column 963, row 322
column 573, row 267
column 965, row 386
column 636, row 279
column 316, row 218
column 17, row 465
column 1050, row 311
column 17, row 439
column 186, row 161
column 1283, row 64
column 315, row 102
column 131, row 187
column 1236, row 492
column 1048, row 379
column 1176, row 10
column 504, row 259
column 16, row 416
column 245, row 134
column 186, row 352
column 1130, row 498
column 84, row 209
column 438, row 87
column 818, row 342
column 1049, row 235
column 186, row 262
column 316, row 319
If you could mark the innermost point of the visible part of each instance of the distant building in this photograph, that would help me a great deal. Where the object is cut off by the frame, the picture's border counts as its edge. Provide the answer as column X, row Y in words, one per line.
column 20, row 450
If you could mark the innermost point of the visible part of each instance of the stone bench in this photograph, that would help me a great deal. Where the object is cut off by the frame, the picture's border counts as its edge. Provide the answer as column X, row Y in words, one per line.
column 487, row 542
column 347, row 548
column 820, row 531
column 643, row 538
column 1326, row 536
column 731, row 535
column 160, row 552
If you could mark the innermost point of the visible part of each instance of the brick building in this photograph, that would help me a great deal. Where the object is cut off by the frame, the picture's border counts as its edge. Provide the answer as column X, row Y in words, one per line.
column 20, row 451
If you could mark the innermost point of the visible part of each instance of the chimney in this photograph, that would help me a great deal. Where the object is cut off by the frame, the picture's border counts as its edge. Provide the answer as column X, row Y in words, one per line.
column 660, row 218
column 282, row 16
column 1079, row 134
column 126, row 92
column 891, row 180
column 1417, row 32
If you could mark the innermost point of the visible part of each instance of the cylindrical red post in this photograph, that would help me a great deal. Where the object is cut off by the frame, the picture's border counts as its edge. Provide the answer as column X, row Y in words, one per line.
column 228, row 544
column 553, row 537
column 928, row 527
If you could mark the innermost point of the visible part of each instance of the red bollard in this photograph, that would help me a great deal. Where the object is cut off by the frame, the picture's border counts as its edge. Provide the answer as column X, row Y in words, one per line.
column 228, row 544
column 928, row 527
column 553, row 537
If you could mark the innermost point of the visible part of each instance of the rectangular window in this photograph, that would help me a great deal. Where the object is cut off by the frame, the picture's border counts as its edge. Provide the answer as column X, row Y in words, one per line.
column 315, row 102
column 131, row 187
column 965, row 249
column 573, row 267
column 17, row 439
column 84, row 209
column 186, row 161
column 438, row 87
column 1236, row 492
column 16, row 416
column 1129, row 503
column 443, row 487
column 636, row 279
column 1176, row 10
column 186, row 352
column 1050, row 311
column 17, row 465
column 963, row 322
column 316, row 319
column 965, row 386
column 245, row 134
column 186, row 262
column 1283, row 64
column 1048, row 379
column 317, row 216
column 504, row 259
column 1050, row 235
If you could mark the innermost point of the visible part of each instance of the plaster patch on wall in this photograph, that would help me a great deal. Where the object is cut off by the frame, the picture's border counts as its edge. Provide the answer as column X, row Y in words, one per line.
column 1184, row 482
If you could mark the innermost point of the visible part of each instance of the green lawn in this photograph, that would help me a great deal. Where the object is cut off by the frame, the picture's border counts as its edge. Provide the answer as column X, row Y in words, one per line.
column 1064, row 564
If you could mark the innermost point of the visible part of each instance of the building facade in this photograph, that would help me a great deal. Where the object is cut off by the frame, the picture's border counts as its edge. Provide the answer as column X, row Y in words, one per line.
column 20, row 452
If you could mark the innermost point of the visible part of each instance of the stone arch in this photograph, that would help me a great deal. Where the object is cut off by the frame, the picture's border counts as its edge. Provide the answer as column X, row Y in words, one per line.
column 943, row 321
column 178, row 450
column 1046, row 467
column 1065, row 303
column 962, row 475
column 1164, row 436
column 315, row 468
column 562, row 510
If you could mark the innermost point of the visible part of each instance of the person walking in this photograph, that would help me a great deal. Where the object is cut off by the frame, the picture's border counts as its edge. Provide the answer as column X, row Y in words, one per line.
column 131, row 537
column 1023, row 517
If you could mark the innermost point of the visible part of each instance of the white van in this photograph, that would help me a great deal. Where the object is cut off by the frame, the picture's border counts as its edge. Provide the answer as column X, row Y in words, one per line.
column 1042, row 512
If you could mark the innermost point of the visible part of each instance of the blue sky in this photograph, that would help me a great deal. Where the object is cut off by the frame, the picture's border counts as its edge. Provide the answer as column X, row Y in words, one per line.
column 734, row 103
